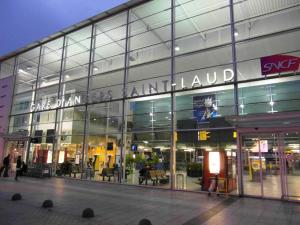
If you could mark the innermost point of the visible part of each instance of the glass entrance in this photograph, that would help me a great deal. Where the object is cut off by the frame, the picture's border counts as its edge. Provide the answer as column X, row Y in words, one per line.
column 291, row 159
column 271, row 164
column 261, row 165
column 15, row 149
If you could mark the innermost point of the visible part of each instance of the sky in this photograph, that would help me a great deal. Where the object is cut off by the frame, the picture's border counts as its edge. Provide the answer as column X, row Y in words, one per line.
column 23, row 22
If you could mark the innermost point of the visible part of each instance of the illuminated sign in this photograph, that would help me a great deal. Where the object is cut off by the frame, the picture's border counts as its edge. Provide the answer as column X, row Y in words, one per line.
column 60, row 103
column 261, row 145
column 278, row 64
column 214, row 162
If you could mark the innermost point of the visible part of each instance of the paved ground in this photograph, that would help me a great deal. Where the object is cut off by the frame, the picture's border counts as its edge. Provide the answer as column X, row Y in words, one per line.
column 115, row 204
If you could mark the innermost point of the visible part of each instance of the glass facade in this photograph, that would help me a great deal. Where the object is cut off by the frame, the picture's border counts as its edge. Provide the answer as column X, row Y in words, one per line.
column 145, row 96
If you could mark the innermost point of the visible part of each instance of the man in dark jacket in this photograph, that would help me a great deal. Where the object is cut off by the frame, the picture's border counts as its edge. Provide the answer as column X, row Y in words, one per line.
column 5, row 166
column 18, row 167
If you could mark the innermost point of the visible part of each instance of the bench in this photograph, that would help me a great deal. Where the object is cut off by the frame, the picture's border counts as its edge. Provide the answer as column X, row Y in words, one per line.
column 156, row 176
column 107, row 172
column 38, row 172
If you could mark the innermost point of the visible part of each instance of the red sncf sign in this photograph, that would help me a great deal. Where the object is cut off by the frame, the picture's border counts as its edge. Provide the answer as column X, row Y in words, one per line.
column 278, row 64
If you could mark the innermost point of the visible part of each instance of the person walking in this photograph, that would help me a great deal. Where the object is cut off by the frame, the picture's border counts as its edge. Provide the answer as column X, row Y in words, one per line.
column 5, row 166
column 18, row 167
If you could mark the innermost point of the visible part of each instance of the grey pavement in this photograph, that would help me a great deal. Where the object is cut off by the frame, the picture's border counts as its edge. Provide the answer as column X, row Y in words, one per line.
column 116, row 204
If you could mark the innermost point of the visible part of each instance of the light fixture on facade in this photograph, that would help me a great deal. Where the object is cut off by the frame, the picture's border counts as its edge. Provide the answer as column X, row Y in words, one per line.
column 236, row 33
column 177, row 48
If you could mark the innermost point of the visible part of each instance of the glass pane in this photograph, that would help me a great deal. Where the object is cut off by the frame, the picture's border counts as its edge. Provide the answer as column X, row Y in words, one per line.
column 255, row 18
column 7, row 68
column 201, row 24
column 292, row 163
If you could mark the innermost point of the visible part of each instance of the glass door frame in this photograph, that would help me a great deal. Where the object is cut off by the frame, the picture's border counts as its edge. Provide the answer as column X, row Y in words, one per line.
column 279, row 133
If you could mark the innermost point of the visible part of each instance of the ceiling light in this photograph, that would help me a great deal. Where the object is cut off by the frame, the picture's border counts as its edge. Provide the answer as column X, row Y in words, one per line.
column 95, row 119
column 177, row 48
column 67, row 76
column 236, row 33
column 95, row 68
column 22, row 71
column 29, row 67
column 146, row 142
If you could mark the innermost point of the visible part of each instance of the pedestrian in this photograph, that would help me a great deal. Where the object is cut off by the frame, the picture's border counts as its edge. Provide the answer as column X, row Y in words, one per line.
column 24, row 169
column 5, row 166
column 18, row 167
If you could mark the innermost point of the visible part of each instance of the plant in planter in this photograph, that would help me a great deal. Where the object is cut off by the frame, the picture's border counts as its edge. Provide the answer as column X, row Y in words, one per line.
column 194, row 170
column 140, row 161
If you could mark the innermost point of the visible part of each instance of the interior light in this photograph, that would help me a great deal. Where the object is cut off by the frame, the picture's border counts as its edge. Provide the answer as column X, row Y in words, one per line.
column 236, row 33
column 151, row 114
column 29, row 68
column 272, row 103
column 22, row 71
column 67, row 76
column 177, row 48
column 95, row 68
column 146, row 142
column 242, row 106
column 95, row 119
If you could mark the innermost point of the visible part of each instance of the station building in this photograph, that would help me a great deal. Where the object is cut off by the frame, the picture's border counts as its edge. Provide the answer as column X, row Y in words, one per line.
column 182, row 94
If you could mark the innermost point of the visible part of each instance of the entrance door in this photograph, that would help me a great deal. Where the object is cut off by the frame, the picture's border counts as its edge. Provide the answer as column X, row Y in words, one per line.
column 291, row 159
column 271, row 164
column 261, row 165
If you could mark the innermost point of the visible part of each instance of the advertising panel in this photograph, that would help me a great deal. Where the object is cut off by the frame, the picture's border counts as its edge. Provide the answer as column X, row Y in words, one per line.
column 204, row 107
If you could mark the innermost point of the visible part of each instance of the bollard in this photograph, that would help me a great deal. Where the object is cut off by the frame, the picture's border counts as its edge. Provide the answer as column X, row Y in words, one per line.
column 87, row 213
column 47, row 204
column 145, row 222
column 16, row 197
